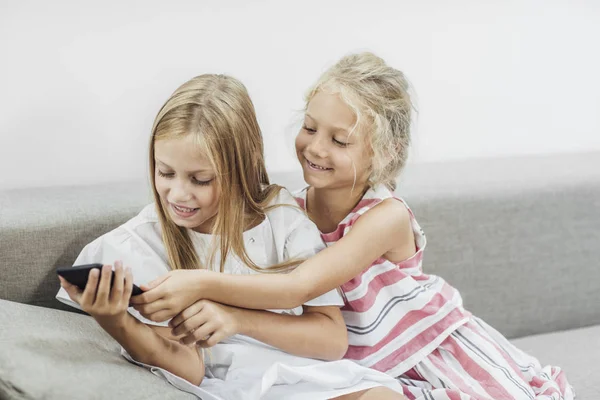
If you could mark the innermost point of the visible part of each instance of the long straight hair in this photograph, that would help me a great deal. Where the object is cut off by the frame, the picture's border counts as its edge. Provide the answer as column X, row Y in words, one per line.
column 218, row 112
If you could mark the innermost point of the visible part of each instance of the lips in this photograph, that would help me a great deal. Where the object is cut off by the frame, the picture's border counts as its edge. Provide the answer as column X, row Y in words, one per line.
column 183, row 212
column 316, row 166
column 183, row 209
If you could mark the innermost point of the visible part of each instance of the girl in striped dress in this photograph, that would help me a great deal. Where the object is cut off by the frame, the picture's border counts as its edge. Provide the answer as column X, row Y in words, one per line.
column 411, row 325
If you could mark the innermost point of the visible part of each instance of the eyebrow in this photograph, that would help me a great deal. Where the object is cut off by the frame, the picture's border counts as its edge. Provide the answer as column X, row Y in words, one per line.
column 334, row 128
column 189, row 172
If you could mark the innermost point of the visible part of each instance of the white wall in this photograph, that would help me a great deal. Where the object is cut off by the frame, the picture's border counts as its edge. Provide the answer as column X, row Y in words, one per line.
column 81, row 82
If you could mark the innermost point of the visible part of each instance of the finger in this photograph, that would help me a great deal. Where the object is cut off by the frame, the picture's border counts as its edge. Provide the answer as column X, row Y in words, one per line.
column 104, row 285
column 213, row 340
column 157, row 316
column 72, row 290
column 128, row 285
column 202, row 333
column 149, row 296
column 191, row 324
column 161, row 315
column 187, row 313
column 89, row 293
column 148, row 309
column 153, row 284
column 116, row 293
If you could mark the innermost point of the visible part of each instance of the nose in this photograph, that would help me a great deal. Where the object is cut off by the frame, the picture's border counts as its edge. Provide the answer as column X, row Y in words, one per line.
column 180, row 192
column 317, row 146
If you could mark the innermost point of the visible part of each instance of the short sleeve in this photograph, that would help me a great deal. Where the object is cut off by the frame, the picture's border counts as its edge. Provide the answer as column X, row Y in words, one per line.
column 304, row 241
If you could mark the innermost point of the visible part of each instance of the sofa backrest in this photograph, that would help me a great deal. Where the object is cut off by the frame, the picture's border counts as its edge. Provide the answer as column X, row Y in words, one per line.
column 520, row 238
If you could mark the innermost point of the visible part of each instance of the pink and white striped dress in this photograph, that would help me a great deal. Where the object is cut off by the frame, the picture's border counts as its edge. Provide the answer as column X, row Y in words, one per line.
column 413, row 326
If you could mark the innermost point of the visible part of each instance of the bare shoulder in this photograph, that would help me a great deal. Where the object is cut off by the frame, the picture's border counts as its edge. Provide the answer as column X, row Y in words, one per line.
column 390, row 216
column 390, row 221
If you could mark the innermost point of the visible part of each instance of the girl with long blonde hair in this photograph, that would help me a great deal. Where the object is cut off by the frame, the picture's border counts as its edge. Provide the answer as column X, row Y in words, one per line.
column 215, row 210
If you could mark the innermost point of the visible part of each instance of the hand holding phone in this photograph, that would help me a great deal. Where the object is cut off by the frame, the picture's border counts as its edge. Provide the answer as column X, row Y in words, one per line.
column 78, row 276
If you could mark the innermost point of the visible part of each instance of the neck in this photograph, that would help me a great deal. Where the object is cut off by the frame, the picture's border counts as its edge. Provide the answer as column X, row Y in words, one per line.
column 328, row 207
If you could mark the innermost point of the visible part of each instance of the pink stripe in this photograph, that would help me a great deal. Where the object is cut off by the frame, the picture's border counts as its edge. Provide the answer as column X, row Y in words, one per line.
column 457, row 380
column 558, row 384
column 561, row 380
column 477, row 373
column 453, row 394
column 354, row 282
column 421, row 277
column 414, row 345
column 301, row 203
column 409, row 319
column 414, row 375
column 334, row 236
column 383, row 280
column 477, row 330
column 413, row 261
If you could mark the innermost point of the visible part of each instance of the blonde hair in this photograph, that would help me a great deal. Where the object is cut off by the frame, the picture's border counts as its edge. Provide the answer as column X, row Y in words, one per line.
column 217, row 110
column 378, row 95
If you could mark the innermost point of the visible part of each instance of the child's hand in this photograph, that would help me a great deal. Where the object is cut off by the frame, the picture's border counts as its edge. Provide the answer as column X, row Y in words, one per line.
column 98, row 299
column 206, row 323
column 169, row 295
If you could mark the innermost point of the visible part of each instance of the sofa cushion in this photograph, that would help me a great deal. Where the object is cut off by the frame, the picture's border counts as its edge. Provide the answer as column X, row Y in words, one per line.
column 575, row 351
column 52, row 354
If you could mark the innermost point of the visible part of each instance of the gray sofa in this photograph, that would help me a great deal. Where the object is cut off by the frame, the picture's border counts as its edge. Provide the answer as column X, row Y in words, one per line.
column 519, row 237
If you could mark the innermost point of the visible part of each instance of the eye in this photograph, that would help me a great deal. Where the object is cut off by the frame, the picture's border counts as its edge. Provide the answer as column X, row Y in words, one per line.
column 164, row 174
column 341, row 144
column 201, row 183
column 306, row 128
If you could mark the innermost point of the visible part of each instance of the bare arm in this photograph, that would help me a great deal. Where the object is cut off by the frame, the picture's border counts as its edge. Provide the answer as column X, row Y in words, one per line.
column 152, row 345
column 318, row 333
column 383, row 229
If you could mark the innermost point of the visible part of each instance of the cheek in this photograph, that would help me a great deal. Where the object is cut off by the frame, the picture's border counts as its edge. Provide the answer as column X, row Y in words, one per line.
column 161, row 186
column 300, row 142
column 352, row 159
column 209, row 198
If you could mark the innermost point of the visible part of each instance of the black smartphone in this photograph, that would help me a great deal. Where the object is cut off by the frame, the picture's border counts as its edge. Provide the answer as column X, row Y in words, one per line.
column 78, row 276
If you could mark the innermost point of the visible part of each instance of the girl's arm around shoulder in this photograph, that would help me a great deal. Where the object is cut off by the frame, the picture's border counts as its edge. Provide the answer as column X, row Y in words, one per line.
column 383, row 231
column 320, row 332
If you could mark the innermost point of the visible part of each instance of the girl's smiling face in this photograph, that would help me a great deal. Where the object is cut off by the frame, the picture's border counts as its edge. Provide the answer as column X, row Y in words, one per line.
column 332, row 157
column 186, row 183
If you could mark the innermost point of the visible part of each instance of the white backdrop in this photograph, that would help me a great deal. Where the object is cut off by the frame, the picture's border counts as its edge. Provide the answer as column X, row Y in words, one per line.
column 81, row 81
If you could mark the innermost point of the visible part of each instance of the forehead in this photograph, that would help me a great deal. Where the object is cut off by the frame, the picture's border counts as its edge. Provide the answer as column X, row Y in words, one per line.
column 329, row 109
column 182, row 153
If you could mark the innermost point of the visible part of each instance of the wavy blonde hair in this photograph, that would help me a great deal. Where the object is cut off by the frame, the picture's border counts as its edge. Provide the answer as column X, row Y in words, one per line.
column 378, row 95
column 218, row 112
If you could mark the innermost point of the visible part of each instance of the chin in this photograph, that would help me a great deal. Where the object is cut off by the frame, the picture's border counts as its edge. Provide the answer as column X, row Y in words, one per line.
column 314, row 182
column 182, row 222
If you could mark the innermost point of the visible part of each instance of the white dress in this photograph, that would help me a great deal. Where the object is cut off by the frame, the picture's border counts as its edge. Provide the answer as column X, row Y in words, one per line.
column 240, row 367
